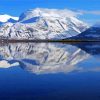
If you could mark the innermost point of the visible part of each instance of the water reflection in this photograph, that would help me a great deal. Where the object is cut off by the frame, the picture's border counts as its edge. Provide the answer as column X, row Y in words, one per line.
column 42, row 58
column 92, row 48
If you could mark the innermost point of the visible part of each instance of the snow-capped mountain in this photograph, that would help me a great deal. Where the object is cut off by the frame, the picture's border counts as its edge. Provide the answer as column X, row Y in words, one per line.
column 44, row 24
column 92, row 33
column 7, row 18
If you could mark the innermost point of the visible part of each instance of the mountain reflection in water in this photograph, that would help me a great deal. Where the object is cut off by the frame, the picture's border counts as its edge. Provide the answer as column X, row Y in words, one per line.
column 44, row 58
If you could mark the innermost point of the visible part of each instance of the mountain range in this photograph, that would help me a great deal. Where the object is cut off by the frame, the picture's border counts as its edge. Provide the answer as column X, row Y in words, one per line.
column 42, row 24
column 92, row 33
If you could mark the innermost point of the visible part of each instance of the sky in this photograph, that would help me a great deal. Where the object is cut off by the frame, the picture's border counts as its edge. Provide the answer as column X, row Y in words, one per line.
column 90, row 9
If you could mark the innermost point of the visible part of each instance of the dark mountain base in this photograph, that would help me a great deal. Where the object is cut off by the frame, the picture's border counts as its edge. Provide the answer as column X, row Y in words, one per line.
column 64, row 40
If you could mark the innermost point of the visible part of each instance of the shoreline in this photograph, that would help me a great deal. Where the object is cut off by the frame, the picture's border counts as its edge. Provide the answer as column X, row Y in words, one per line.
column 63, row 41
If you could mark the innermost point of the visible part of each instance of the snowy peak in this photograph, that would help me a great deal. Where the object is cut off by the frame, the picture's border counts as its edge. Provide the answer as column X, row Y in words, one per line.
column 4, row 18
column 40, row 12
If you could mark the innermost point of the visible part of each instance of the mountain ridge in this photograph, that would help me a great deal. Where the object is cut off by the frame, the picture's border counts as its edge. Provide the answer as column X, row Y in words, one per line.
column 92, row 33
column 44, row 24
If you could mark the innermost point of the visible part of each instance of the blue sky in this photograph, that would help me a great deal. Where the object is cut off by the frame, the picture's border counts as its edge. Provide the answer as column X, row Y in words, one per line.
column 89, row 8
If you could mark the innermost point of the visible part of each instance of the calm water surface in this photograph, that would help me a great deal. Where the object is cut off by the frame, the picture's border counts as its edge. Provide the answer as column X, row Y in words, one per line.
column 50, row 71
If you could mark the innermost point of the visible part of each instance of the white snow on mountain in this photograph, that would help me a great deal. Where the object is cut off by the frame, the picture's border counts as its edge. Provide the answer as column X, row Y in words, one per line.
column 5, row 18
column 44, row 24
column 56, row 13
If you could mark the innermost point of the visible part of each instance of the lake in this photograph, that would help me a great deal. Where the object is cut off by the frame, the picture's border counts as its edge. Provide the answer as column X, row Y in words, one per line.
column 50, row 71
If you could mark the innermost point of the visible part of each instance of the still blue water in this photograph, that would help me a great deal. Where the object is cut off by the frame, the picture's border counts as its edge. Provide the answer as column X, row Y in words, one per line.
column 50, row 71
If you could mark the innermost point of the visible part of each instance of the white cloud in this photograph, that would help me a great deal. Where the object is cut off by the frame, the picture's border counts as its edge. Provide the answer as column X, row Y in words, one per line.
column 94, row 12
